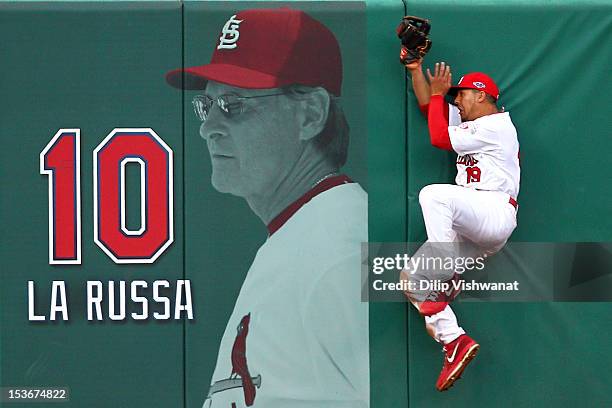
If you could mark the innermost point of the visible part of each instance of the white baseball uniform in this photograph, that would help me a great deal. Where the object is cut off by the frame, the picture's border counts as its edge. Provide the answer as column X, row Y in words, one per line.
column 481, row 208
column 306, row 344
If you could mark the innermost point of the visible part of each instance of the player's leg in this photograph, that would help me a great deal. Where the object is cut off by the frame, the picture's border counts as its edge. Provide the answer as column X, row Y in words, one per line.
column 485, row 218
column 442, row 242
column 443, row 326
column 436, row 204
column 452, row 212
column 459, row 348
column 426, row 275
column 448, row 212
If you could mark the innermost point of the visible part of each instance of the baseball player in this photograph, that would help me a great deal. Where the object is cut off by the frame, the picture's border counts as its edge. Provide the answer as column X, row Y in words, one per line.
column 277, row 137
column 480, row 210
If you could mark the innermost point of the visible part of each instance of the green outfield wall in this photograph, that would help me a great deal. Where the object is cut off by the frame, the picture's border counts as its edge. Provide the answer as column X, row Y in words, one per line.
column 553, row 84
column 98, row 65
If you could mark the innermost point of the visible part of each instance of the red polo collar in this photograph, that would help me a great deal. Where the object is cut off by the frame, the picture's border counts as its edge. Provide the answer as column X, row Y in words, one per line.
column 288, row 212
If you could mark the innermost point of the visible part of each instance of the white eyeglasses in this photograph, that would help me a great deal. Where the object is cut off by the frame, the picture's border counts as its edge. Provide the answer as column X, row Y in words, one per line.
column 229, row 104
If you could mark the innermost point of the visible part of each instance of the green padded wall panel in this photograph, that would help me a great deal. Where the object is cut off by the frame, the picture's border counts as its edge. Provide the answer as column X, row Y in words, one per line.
column 387, row 199
column 93, row 66
column 532, row 354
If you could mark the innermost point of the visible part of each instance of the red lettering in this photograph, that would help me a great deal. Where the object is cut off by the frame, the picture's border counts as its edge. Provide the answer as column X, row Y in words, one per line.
column 473, row 174
column 148, row 150
column 60, row 160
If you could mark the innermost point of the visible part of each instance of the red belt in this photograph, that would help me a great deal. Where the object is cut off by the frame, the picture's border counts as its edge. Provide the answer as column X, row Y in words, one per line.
column 513, row 202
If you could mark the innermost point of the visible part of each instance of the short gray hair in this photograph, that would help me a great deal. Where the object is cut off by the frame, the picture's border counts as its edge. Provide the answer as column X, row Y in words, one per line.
column 333, row 140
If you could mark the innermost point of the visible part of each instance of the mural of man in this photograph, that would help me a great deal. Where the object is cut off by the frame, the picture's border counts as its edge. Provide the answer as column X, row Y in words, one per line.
column 278, row 138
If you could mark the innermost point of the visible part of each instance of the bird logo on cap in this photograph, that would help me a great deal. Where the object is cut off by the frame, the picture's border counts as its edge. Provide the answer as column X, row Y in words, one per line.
column 230, row 34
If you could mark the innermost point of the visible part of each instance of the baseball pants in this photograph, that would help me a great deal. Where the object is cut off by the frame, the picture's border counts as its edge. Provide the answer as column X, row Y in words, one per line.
column 452, row 213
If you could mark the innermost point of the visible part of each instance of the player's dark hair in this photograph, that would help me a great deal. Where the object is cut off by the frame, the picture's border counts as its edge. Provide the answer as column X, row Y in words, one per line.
column 333, row 140
column 488, row 97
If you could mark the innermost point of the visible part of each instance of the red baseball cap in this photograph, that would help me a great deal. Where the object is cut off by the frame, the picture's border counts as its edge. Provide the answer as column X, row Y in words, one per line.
column 476, row 80
column 269, row 48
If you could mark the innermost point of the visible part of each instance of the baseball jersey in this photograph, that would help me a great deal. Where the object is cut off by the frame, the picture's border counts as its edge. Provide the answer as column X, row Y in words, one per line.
column 488, row 152
column 298, row 334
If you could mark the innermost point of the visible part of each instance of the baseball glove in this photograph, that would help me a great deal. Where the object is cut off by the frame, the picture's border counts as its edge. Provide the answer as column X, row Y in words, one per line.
column 413, row 32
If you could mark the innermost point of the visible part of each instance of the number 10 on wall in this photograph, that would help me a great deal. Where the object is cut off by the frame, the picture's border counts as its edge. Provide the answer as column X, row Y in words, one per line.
column 60, row 161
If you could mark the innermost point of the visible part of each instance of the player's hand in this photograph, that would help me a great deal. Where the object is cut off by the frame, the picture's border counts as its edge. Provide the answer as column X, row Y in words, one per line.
column 414, row 65
column 440, row 81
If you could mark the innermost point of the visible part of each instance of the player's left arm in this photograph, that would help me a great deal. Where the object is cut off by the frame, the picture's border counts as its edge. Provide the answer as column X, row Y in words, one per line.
column 420, row 86
column 437, row 118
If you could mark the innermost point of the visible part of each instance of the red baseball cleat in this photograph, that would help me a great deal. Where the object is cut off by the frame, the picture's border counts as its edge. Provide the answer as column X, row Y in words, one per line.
column 457, row 354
